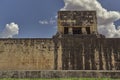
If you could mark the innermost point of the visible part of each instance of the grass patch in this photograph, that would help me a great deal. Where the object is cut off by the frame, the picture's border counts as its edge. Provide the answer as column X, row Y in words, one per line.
column 59, row 79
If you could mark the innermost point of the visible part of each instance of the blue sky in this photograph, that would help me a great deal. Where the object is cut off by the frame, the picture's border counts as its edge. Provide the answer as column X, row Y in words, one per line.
column 28, row 14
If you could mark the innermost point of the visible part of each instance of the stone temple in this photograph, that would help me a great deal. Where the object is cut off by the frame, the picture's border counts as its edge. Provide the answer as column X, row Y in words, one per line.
column 76, row 46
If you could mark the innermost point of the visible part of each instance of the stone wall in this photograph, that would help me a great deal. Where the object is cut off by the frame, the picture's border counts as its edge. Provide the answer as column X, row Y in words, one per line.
column 90, row 53
column 60, row 74
column 26, row 54
column 66, row 52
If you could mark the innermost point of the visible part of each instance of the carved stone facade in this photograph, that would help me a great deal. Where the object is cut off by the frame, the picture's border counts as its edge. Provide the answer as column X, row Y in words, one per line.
column 76, row 46
column 77, row 22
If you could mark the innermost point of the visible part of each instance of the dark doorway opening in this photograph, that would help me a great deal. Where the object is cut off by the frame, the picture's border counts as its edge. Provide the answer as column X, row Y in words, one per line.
column 88, row 30
column 77, row 30
column 65, row 30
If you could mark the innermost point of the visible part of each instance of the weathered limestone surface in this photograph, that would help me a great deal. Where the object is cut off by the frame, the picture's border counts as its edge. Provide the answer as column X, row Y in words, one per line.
column 77, row 22
column 67, row 52
column 26, row 54
column 90, row 53
column 60, row 74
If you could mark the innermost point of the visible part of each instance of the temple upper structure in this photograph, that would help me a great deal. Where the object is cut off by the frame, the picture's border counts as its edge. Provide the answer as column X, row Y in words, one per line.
column 77, row 22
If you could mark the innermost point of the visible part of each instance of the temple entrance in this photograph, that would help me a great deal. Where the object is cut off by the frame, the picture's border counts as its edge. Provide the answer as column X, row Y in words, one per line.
column 77, row 30
column 65, row 30
column 88, row 30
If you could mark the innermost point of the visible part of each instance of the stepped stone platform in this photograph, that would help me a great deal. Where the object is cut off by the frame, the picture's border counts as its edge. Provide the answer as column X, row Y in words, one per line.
column 61, row 74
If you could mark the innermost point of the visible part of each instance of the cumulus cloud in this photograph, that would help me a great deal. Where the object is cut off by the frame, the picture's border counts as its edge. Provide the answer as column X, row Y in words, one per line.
column 10, row 30
column 105, row 18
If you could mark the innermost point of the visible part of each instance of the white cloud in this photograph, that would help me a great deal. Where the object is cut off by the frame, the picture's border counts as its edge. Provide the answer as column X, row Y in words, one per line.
column 43, row 22
column 51, row 21
column 56, row 16
column 105, row 18
column 10, row 30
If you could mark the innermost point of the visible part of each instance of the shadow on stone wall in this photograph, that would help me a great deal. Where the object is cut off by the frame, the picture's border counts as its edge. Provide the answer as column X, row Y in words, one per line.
column 90, row 53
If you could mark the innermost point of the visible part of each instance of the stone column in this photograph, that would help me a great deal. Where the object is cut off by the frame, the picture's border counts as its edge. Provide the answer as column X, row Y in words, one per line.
column 84, row 30
column 57, row 54
column 59, row 57
column 70, row 30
